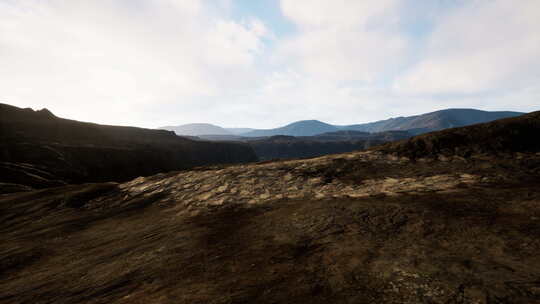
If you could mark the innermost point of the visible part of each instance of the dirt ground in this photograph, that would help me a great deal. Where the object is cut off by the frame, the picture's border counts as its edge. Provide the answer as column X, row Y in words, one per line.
column 470, row 242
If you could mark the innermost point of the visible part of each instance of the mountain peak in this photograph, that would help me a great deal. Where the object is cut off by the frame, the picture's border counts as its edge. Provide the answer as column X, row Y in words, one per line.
column 46, row 113
column 298, row 128
column 310, row 121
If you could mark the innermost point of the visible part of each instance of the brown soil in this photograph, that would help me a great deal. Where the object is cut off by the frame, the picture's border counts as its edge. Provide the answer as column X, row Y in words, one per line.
column 354, row 228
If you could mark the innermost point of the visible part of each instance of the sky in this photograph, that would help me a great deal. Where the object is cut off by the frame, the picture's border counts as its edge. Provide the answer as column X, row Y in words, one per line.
column 266, row 63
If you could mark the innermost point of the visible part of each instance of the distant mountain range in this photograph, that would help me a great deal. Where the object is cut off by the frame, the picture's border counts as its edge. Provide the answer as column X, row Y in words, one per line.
column 417, row 124
column 434, row 121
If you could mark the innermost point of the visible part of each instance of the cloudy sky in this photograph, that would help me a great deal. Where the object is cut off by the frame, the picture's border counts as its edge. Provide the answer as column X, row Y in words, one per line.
column 265, row 63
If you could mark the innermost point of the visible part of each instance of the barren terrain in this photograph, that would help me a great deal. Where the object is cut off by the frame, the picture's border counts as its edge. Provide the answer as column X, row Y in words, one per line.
column 362, row 227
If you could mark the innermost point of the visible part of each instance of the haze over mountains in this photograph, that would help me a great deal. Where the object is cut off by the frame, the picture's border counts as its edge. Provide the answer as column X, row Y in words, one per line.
column 238, row 131
column 195, row 129
column 417, row 124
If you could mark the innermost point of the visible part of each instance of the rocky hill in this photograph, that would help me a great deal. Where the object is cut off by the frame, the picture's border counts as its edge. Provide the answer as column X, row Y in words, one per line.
column 38, row 149
column 501, row 136
column 387, row 225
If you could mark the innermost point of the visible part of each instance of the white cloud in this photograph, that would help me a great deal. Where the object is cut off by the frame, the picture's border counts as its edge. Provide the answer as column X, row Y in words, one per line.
column 481, row 47
column 339, row 55
column 235, row 43
column 335, row 14
column 345, row 40
column 107, row 59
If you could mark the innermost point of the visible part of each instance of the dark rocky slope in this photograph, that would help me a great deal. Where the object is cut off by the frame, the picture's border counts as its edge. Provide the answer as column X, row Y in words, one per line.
column 288, row 147
column 39, row 150
column 502, row 136
column 362, row 227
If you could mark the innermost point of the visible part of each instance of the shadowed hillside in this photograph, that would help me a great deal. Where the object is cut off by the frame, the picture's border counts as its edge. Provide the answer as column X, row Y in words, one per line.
column 287, row 147
column 38, row 149
column 506, row 135
column 290, row 147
